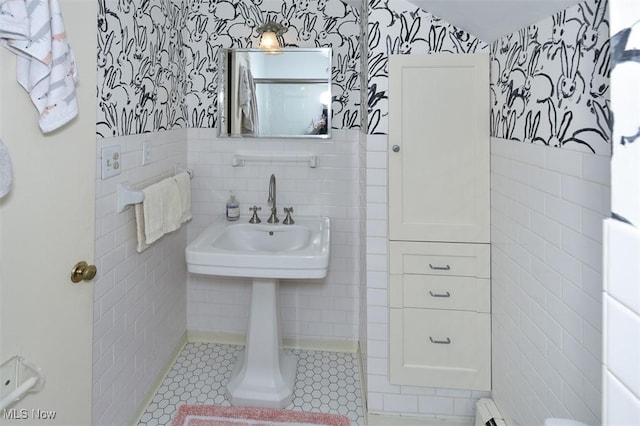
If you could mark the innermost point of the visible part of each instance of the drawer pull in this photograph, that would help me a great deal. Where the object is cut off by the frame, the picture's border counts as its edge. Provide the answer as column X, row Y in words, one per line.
column 447, row 294
column 440, row 268
column 440, row 342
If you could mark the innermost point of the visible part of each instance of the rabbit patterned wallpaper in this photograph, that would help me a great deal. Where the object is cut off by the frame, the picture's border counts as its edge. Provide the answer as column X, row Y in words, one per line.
column 157, row 65
column 550, row 81
column 404, row 29
column 141, row 67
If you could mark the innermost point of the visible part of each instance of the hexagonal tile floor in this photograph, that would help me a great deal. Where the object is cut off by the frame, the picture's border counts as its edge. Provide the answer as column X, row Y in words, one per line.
column 326, row 382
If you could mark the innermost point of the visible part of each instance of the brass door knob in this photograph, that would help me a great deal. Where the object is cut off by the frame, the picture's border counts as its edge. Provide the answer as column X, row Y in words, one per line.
column 82, row 271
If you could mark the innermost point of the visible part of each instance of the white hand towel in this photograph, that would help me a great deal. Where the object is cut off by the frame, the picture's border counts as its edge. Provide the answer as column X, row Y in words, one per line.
column 6, row 170
column 162, row 209
column 46, row 67
column 152, row 213
column 142, row 245
column 14, row 23
column 183, row 180
column 166, row 206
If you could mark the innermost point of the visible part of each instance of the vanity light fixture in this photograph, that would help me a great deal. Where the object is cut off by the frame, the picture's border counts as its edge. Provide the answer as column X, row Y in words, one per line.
column 269, row 35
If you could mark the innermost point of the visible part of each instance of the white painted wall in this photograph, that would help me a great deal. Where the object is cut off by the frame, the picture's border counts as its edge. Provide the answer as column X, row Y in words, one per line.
column 325, row 309
column 140, row 298
column 621, row 301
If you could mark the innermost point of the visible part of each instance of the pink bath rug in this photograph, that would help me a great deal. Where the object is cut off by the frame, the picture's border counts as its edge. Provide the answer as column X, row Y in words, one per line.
column 212, row 415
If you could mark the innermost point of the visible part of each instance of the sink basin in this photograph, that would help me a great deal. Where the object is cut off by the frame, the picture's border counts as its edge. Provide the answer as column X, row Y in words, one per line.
column 262, row 250
column 264, row 376
column 249, row 238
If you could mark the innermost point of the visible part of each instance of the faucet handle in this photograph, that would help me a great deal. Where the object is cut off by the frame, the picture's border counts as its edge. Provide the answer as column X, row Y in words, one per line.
column 288, row 220
column 254, row 217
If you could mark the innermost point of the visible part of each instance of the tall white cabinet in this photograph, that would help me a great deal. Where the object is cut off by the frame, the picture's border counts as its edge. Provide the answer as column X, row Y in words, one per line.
column 439, row 254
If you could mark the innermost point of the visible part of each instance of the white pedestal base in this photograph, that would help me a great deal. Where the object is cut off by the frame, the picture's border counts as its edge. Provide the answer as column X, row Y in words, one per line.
column 265, row 375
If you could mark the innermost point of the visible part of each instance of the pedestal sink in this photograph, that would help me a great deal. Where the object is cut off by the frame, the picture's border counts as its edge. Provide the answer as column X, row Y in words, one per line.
column 265, row 375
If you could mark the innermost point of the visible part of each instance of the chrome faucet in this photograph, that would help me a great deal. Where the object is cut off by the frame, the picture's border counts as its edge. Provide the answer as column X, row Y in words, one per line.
column 272, row 199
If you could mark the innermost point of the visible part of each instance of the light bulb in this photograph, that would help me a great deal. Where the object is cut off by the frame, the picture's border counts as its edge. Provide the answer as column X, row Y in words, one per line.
column 269, row 41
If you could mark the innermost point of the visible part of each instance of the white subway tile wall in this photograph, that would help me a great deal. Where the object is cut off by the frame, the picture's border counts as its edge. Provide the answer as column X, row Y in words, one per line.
column 363, row 333
column 382, row 396
column 139, row 299
column 546, row 232
column 327, row 309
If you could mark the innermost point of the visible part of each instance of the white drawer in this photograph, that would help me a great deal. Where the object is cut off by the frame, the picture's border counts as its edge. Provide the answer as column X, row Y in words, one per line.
column 471, row 260
column 430, row 347
column 440, row 292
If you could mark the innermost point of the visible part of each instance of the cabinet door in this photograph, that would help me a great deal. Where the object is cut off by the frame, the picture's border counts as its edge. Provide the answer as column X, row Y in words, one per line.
column 439, row 121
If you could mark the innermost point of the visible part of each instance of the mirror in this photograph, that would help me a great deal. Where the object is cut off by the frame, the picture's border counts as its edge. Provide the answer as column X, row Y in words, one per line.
column 275, row 94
